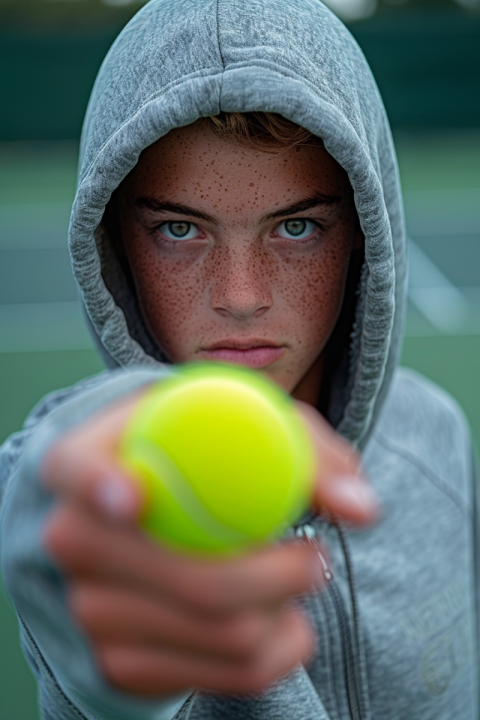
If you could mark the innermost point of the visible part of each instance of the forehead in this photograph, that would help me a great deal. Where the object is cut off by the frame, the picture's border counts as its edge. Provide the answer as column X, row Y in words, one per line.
column 194, row 159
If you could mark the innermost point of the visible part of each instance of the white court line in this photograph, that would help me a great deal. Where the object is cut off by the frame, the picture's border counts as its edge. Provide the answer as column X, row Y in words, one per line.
column 448, row 309
column 438, row 299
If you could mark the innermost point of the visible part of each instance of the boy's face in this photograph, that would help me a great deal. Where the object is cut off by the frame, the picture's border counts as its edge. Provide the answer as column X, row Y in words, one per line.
column 239, row 254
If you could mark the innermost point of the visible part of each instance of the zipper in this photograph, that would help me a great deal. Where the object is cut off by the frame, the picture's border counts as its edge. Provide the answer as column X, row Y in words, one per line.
column 307, row 532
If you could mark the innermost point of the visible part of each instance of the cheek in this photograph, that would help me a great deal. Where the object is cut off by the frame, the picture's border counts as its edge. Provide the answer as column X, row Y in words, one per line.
column 312, row 289
column 171, row 293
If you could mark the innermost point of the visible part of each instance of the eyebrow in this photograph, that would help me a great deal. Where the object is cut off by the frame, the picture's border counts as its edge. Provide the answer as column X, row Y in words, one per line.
column 169, row 207
column 303, row 205
column 300, row 206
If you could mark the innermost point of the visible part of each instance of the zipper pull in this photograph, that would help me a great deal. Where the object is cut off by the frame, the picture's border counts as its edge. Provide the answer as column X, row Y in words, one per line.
column 307, row 532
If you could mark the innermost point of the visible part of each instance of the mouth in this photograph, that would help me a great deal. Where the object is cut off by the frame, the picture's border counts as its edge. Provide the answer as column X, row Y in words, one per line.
column 255, row 353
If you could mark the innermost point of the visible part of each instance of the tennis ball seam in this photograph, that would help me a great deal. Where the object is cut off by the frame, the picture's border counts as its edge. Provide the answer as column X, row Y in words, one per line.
column 176, row 485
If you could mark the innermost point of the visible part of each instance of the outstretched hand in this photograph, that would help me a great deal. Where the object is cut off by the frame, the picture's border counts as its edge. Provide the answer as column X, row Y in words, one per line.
column 160, row 622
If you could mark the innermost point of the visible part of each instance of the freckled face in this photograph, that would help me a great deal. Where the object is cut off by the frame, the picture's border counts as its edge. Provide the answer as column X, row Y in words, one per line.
column 240, row 255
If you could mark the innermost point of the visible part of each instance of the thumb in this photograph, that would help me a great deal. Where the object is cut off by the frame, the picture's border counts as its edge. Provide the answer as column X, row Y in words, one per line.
column 81, row 466
column 341, row 488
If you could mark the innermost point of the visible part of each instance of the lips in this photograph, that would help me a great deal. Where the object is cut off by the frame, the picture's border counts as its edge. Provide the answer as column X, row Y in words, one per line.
column 253, row 354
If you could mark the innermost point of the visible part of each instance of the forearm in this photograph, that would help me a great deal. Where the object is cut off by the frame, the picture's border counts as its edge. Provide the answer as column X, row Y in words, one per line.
column 70, row 686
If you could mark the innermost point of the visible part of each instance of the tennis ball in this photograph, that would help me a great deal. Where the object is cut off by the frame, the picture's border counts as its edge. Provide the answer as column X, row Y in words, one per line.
column 223, row 458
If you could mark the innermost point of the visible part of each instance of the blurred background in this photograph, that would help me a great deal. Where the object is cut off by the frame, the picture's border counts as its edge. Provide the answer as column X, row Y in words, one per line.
column 425, row 56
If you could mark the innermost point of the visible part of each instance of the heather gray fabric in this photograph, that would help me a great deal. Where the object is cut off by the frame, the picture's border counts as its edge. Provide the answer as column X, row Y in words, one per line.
column 397, row 627
column 70, row 687
column 179, row 60
column 412, row 580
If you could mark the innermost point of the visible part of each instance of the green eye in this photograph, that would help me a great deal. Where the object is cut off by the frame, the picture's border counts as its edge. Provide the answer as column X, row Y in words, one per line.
column 295, row 227
column 298, row 228
column 180, row 230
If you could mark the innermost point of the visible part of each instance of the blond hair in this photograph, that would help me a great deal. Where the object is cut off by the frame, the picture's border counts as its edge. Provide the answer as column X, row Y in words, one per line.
column 263, row 129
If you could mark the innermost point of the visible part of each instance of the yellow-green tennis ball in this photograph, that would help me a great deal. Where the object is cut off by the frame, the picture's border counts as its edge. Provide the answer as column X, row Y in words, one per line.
column 223, row 457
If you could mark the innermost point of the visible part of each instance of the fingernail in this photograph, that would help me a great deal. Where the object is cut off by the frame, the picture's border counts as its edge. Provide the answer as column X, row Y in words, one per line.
column 354, row 494
column 115, row 498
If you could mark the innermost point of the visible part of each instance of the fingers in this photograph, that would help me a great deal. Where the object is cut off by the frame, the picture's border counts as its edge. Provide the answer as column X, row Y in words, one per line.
column 341, row 487
column 89, row 548
column 94, row 478
column 120, row 616
column 154, row 670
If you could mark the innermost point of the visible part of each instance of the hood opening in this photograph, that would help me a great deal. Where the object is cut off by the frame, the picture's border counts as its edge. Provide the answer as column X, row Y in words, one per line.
column 181, row 60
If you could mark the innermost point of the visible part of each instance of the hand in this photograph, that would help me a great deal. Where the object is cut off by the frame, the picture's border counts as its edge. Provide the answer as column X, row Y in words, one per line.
column 160, row 622
column 340, row 488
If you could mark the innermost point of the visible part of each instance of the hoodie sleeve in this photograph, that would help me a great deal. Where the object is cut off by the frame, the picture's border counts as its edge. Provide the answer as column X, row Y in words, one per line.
column 476, row 536
column 70, row 686
column 294, row 696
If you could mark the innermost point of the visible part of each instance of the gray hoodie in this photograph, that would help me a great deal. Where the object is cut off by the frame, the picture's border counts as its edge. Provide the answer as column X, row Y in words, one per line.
column 397, row 628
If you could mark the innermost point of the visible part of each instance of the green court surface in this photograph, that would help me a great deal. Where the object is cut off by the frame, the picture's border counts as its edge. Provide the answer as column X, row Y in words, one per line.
column 441, row 179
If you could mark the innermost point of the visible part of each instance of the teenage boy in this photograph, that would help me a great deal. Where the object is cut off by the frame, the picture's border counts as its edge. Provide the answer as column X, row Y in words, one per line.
column 239, row 201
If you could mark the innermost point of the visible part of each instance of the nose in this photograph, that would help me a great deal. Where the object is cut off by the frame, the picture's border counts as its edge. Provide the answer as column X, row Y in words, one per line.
column 240, row 283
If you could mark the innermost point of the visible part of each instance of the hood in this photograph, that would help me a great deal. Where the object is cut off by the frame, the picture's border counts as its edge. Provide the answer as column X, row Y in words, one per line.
column 179, row 60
